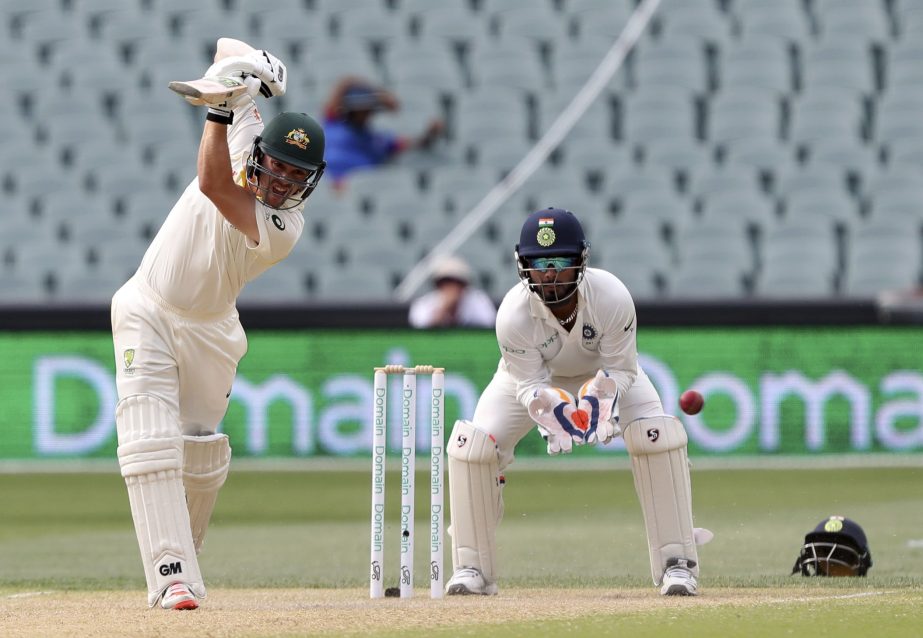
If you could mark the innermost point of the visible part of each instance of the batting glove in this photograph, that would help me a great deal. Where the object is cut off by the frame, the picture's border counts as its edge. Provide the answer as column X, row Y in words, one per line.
column 599, row 399
column 262, row 65
column 555, row 411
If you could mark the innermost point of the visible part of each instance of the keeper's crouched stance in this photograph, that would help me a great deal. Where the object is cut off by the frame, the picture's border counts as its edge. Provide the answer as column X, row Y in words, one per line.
column 569, row 364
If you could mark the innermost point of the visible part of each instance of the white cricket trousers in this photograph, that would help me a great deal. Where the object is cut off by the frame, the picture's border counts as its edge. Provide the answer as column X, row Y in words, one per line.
column 188, row 362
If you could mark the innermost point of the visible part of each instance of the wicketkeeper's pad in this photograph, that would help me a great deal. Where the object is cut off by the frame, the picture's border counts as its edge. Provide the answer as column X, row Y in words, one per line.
column 657, row 446
column 151, row 459
column 475, row 498
column 206, row 462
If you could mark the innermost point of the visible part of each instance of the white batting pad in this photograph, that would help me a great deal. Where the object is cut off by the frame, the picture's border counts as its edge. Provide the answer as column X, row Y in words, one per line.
column 475, row 498
column 660, row 466
column 205, row 467
column 151, row 457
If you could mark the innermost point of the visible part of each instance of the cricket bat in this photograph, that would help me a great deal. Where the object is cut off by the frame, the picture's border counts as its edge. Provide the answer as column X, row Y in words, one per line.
column 209, row 90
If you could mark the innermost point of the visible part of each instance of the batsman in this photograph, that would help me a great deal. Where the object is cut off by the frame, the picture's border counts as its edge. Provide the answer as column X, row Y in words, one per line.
column 569, row 364
column 175, row 326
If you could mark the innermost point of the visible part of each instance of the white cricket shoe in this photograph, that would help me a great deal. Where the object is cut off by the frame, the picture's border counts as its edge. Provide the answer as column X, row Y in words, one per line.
column 468, row 581
column 178, row 596
column 678, row 579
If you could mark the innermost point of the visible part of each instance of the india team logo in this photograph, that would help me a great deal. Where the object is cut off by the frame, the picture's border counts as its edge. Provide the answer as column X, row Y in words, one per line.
column 546, row 234
column 297, row 137
column 835, row 524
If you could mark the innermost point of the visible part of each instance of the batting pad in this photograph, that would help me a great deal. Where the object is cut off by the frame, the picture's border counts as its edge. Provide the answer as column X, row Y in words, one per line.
column 475, row 498
column 151, row 457
column 657, row 446
column 206, row 461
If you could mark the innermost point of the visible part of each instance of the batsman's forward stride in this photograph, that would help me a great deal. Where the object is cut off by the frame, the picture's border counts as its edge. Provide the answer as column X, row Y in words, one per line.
column 175, row 327
column 569, row 362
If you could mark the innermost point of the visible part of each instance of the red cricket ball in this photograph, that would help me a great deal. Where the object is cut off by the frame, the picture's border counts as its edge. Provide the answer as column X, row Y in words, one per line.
column 691, row 402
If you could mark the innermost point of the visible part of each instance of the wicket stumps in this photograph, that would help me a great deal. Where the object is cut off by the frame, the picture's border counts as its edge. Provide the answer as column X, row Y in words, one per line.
column 408, row 462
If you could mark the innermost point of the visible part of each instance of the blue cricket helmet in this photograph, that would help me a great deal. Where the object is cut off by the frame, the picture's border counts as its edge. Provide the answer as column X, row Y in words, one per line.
column 836, row 547
column 551, row 232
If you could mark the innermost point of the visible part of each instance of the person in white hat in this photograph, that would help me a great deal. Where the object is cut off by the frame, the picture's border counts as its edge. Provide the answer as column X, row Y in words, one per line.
column 453, row 300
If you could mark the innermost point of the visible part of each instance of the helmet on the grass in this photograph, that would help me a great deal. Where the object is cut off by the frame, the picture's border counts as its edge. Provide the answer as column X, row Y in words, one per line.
column 836, row 547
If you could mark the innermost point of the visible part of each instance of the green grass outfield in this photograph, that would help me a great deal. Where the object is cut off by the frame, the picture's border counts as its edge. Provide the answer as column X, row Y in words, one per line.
column 564, row 530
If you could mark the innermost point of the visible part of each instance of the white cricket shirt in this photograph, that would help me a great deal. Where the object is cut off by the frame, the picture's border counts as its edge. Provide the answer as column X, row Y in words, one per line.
column 535, row 347
column 198, row 262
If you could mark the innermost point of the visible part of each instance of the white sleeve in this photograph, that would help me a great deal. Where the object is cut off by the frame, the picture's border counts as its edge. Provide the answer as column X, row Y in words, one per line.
column 247, row 125
column 279, row 231
column 618, row 346
column 520, row 353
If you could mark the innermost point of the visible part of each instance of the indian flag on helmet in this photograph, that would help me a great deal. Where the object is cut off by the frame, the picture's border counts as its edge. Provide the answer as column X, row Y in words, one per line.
column 546, row 221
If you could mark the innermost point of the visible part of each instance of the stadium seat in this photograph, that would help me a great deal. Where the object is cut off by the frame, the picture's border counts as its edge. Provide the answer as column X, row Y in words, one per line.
column 705, row 279
column 281, row 284
column 590, row 22
column 597, row 156
column 747, row 112
column 729, row 207
column 701, row 20
column 368, row 24
column 724, row 179
column 679, row 61
column 784, row 19
column 825, row 115
column 856, row 159
column 651, row 115
column 781, row 280
column 596, row 124
column 484, row 114
column 854, row 21
column 767, row 153
column 423, row 63
column 838, row 64
column 883, row 254
column 574, row 61
column 799, row 258
column 23, row 288
column 832, row 206
column 758, row 60
column 511, row 62
column 455, row 23
column 534, row 21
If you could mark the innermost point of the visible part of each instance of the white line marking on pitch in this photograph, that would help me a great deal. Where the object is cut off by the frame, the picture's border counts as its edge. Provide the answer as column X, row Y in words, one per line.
column 807, row 599
column 30, row 594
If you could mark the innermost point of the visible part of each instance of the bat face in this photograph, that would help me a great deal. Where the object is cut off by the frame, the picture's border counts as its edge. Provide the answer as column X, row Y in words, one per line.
column 209, row 90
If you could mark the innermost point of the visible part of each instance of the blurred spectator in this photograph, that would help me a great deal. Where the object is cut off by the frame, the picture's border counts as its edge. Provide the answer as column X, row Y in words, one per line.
column 453, row 302
column 352, row 142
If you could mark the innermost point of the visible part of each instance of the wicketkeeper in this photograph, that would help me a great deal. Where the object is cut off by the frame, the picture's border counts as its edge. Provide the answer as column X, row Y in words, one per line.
column 175, row 326
column 569, row 363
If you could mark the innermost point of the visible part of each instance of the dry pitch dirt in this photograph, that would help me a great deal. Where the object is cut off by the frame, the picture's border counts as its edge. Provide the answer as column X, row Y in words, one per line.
column 302, row 612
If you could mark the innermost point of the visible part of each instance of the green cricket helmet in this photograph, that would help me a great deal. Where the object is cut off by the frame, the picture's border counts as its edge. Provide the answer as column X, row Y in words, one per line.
column 296, row 139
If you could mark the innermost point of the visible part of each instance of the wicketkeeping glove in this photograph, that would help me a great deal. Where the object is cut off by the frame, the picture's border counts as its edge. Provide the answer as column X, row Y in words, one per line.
column 555, row 411
column 262, row 65
column 599, row 399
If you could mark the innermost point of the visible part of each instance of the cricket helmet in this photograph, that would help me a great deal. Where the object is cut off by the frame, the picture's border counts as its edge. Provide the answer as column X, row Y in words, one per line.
column 836, row 547
column 293, row 138
column 551, row 233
